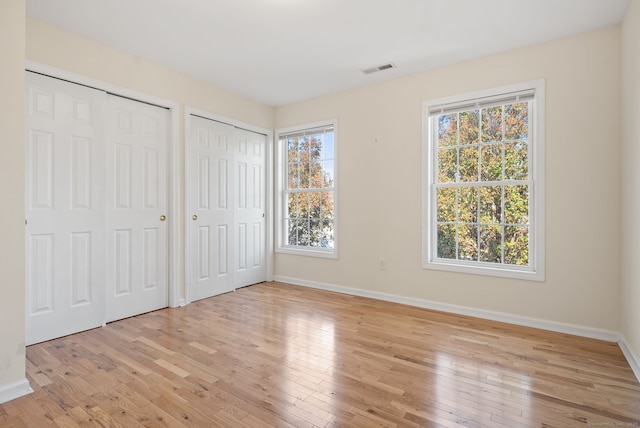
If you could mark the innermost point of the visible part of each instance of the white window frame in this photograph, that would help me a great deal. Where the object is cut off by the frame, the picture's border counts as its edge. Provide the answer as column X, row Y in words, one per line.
column 281, row 199
column 536, row 269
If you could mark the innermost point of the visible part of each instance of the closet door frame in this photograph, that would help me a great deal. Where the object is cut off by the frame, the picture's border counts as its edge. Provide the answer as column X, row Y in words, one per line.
column 173, row 145
column 192, row 111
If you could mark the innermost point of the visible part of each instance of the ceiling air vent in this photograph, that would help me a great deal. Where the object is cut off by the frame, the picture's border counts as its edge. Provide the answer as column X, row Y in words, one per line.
column 378, row 68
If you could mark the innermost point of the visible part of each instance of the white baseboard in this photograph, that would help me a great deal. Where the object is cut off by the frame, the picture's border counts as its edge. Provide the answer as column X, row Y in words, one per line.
column 573, row 329
column 14, row 390
column 633, row 360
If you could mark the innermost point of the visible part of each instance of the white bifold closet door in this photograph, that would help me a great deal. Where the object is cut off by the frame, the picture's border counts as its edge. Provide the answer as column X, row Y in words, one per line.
column 95, row 193
column 226, row 203
column 65, row 235
column 136, row 183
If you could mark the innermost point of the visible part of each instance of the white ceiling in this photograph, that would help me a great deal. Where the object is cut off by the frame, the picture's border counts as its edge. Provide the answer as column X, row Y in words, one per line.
column 282, row 51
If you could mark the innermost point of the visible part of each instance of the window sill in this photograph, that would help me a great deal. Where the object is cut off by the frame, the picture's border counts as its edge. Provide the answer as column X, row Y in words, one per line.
column 486, row 270
column 309, row 252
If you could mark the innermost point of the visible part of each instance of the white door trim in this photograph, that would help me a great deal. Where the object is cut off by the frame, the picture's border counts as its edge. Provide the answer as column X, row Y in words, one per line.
column 192, row 111
column 173, row 156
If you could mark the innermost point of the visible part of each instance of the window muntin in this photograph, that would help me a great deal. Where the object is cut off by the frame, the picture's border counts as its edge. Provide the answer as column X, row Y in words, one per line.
column 482, row 185
column 308, row 221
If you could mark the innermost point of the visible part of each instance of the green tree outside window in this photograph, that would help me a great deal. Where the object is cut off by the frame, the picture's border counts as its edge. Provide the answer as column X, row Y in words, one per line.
column 482, row 184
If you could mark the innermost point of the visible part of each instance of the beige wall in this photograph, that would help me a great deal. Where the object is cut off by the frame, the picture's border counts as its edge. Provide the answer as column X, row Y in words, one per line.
column 631, row 178
column 12, row 350
column 379, row 170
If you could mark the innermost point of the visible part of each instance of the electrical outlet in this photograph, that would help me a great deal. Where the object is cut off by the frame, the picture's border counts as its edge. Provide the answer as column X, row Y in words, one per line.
column 382, row 264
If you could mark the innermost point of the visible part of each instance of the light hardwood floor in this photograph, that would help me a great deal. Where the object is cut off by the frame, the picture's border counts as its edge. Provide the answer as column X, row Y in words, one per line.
column 279, row 355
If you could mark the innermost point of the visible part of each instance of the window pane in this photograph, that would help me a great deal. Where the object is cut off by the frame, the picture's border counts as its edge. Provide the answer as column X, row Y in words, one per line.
column 303, row 148
column 310, row 219
column 469, row 124
column 292, row 150
column 447, row 130
column 492, row 124
column 315, row 204
column 293, row 173
column 516, row 204
column 327, row 146
column 315, row 148
column 316, row 178
column 304, row 232
column 516, row 121
column 490, row 244
column 327, row 234
column 468, row 242
column 315, row 232
column 446, row 201
column 516, row 161
column 447, row 165
column 516, row 245
column 292, row 232
column 447, row 241
column 303, row 205
column 490, row 204
column 327, row 174
column 469, row 164
column 326, row 208
column 294, row 209
column 491, row 163
column 468, row 204
column 292, row 205
column 304, row 175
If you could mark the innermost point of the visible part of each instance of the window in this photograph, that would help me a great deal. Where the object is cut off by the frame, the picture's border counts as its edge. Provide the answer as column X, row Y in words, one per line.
column 484, row 182
column 306, row 206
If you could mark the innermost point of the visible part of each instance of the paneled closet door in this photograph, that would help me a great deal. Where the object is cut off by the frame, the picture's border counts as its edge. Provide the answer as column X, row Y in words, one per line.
column 226, row 204
column 136, row 191
column 211, row 149
column 65, row 238
column 249, row 199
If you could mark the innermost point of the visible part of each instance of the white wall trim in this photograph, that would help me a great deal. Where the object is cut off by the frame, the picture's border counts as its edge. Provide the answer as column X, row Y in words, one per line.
column 573, row 329
column 633, row 360
column 173, row 152
column 269, row 204
column 14, row 390
column 174, row 208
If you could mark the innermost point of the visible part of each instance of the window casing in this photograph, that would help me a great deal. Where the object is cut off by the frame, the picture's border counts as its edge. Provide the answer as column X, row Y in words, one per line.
column 307, row 195
column 483, row 180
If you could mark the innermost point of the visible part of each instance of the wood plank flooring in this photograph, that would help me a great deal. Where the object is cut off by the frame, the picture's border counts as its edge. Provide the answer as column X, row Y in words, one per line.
column 277, row 355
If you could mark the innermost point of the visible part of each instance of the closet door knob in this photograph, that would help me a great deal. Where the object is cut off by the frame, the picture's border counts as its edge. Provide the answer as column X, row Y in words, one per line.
column 194, row 217
column 163, row 218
